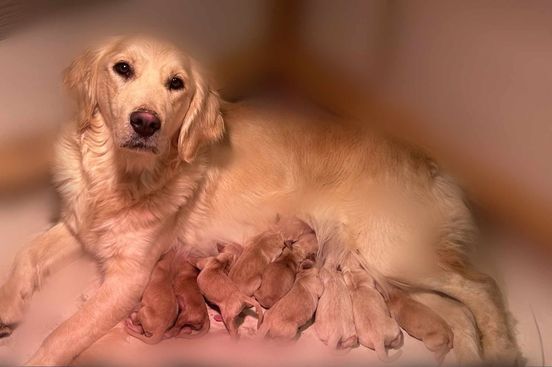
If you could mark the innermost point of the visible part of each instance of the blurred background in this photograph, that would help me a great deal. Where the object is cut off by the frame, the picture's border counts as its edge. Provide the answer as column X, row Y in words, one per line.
column 468, row 81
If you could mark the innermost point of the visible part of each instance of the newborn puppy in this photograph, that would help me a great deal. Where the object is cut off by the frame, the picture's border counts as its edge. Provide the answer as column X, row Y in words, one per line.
column 247, row 272
column 279, row 276
column 193, row 318
column 296, row 308
column 422, row 323
column 334, row 323
column 375, row 327
column 263, row 249
column 217, row 287
column 158, row 308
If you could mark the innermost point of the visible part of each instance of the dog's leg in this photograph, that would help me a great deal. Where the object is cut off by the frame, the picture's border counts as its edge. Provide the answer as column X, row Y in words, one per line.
column 483, row 298
column 45, row 253
column 124, row 283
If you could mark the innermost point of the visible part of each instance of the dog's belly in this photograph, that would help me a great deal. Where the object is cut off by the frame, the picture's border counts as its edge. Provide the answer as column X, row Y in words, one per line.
column 397, row 239
column 353, row 187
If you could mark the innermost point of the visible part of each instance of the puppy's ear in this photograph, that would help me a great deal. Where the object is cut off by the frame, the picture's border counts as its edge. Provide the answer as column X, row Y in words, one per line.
column 203, row 123
column 80, row 78
column 221, row 247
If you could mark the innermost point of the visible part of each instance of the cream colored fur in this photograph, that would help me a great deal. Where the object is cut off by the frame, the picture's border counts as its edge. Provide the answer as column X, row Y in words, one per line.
column 220, row 174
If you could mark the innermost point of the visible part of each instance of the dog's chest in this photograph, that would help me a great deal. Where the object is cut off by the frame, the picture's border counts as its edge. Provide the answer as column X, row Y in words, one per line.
column 107, row 231
column 117, row 223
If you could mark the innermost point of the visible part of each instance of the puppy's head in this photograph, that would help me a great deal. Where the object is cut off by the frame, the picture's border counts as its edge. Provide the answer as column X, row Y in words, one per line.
column 151, row 97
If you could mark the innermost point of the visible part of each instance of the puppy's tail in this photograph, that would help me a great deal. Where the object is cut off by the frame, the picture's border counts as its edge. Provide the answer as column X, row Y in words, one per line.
column 381, row 351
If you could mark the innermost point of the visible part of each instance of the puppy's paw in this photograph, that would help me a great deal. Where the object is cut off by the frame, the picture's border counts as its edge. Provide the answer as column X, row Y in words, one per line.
column 11, row 313
column 348, row 342
column 133, row 325
column 396, row 340
column 6, row 330
column 440, row 344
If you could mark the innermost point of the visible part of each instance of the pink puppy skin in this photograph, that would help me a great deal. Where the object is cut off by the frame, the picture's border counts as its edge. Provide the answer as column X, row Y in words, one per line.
column 158, row 308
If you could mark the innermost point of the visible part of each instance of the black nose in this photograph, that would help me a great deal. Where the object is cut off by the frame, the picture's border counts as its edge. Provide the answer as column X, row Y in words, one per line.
column 144, row 123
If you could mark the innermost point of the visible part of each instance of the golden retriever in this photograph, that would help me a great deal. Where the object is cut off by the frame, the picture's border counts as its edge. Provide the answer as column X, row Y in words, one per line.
column 153, row 159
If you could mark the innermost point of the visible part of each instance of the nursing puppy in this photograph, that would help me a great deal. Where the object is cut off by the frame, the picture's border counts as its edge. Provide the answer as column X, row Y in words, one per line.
column 193, row 318
column 217, row 287
column 422, row 323
column 375, row 327
column 279, row 276
column 158, row 308
column 334, row 323
column 296, row 308
column 247, row 272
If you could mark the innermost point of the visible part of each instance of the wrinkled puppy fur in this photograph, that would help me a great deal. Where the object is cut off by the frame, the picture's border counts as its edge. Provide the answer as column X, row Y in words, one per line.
column 217, row 287
column 334, row 323
column 295, row 309
column 247, row 272
column 158, row 309
column 422, row 323
column 193, row 318
column 279, row 276
column 375, row 327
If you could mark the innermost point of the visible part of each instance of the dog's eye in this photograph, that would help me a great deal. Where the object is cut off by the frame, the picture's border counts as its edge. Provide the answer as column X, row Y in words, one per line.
column 175, row 83
column 123, row 69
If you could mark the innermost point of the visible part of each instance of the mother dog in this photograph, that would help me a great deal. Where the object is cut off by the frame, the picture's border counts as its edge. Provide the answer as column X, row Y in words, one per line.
column 154, row 159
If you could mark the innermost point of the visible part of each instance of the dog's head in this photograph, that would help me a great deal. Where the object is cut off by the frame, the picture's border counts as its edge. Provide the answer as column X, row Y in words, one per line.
column 151, row 97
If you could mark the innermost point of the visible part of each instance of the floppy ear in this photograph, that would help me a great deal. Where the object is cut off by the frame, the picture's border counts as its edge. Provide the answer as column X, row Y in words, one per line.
column 80, row 79
column 203, row 123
